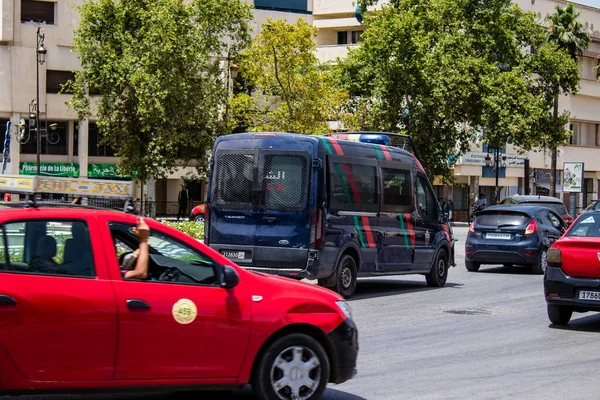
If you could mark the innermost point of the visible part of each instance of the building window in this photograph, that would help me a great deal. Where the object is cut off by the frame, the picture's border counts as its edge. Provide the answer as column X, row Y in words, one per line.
column 57, row 143
column 283, row 5
column 342, row 37
column 356, row 36
column 584, row 134
column 95, row 146
column 56, row 79
column 37, row 11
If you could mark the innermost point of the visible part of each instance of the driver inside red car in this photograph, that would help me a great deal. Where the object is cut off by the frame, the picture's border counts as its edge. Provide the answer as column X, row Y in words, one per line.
column 135, row 265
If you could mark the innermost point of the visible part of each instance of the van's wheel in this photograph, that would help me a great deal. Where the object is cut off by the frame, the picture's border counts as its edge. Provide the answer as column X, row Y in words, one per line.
column 439, row 271
column 472, row 266
column 345, row 282
column 293, row 367
column 542, row 262
column 559, row 315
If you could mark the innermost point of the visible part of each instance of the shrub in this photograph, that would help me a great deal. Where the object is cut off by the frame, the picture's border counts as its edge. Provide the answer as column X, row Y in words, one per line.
column 188, row 227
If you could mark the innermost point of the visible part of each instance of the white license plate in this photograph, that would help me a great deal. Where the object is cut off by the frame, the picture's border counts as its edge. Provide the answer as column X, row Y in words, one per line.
column 589, row 295
column 239, row 255
column 503, row 236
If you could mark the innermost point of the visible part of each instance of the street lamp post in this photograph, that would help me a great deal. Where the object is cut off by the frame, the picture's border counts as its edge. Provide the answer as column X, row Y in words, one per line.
column 40, row 53
column 497, row 163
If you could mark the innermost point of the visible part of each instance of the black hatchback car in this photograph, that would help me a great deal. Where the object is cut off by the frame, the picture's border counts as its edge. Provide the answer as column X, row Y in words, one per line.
column 512, row 235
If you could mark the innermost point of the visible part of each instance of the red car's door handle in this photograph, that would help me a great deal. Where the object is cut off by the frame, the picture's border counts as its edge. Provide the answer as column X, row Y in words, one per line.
column 7, row 300
column 135, row 304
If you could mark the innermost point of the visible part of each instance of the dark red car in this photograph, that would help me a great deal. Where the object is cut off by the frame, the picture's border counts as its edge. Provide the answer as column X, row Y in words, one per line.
column 572, row 279
column 197, row 213
column 69, row 321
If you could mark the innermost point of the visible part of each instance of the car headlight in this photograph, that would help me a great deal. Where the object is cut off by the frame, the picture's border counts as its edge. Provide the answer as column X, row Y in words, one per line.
column 345, row 308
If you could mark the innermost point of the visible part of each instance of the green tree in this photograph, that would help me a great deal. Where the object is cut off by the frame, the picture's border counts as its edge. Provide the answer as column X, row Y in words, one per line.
column 444, row 70
column 155, row 64
column 565, row 31
column 290, row 90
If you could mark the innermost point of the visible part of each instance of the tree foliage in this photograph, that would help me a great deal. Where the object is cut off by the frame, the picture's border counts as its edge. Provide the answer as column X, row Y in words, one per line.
column 155, row 64
column 291, row 90
column 445, row 70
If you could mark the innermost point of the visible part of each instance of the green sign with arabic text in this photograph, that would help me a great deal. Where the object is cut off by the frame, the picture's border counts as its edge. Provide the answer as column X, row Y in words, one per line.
column 107, row 171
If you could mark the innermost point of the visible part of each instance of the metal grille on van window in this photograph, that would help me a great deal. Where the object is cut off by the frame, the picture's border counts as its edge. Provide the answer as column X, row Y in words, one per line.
column 234, row 180
column 285, row 181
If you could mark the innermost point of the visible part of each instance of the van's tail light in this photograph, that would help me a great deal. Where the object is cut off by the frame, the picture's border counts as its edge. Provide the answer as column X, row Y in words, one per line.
column 554, row 258
column 472, row 227
column 206, row 223
column 531, row 228
column 316, row 228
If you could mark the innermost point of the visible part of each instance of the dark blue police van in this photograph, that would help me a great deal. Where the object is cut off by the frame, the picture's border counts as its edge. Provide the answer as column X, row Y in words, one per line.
column 331, row 208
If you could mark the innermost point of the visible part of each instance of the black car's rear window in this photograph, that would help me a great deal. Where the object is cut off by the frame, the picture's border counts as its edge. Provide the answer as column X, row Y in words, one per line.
column 588, row 225
column 559, row 208
column 502, row 219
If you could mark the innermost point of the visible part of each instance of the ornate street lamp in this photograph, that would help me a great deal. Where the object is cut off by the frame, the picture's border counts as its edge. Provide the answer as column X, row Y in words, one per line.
column 40, row 53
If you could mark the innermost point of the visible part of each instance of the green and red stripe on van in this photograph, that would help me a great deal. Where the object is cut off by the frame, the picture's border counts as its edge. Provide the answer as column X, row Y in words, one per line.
column 363, row 228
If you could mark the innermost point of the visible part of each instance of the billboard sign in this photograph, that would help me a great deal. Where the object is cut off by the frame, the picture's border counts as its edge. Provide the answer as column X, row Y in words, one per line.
column 573, row 177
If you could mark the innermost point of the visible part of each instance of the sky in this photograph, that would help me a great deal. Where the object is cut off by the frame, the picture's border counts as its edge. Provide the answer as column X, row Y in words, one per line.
column 593, row 3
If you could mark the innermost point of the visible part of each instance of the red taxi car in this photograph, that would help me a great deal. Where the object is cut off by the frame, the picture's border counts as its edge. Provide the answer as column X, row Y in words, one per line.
column 69, row 321
column 572, row 279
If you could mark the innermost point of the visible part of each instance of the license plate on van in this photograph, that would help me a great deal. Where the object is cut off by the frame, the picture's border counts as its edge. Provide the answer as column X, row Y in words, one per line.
column 494, row 235
column 235, row 255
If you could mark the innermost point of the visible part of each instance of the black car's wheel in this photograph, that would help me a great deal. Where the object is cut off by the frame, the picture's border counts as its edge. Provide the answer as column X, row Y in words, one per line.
column 472, row 266
column 540, row 266
column 439, row 271
column 559, row 315
column 293, row 367
column 199, row 219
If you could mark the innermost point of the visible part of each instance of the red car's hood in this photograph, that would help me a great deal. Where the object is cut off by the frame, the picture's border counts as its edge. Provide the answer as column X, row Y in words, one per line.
column 294, row 288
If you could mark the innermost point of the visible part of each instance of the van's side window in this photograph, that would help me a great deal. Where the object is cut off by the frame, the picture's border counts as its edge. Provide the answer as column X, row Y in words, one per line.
column 354, row 184
column 426, row 203
column 396, row 187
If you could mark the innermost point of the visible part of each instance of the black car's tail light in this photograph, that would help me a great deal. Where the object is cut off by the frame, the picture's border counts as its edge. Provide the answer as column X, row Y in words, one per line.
column 554, row 258
column 531, row 228
column 472, row 227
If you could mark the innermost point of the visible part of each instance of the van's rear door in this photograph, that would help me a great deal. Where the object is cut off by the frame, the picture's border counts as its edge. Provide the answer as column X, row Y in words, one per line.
column 283, row 217
column 233, row 215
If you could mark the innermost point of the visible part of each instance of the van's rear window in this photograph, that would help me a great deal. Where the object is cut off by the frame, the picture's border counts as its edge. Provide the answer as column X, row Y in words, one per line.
column 234, row 180
column 502, row 219
column 284, row 181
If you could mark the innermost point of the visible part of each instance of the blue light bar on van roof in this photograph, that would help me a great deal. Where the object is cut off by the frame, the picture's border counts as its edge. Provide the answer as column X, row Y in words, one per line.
column 363, row 137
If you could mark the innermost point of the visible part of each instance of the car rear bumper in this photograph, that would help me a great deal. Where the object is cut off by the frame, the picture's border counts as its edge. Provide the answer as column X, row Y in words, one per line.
column 488, row 252
column 344, row 340
column 562, row 289
column 291, row 262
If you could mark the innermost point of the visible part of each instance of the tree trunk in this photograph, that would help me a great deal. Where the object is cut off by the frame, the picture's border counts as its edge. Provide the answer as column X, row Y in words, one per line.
column 553, row 152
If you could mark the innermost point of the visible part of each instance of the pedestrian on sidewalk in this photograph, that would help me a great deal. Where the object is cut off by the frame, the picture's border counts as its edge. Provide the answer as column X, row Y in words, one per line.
column 183, row 198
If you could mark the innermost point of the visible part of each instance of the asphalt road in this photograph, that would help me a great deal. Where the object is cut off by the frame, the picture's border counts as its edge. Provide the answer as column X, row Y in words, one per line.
column 485, row 335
